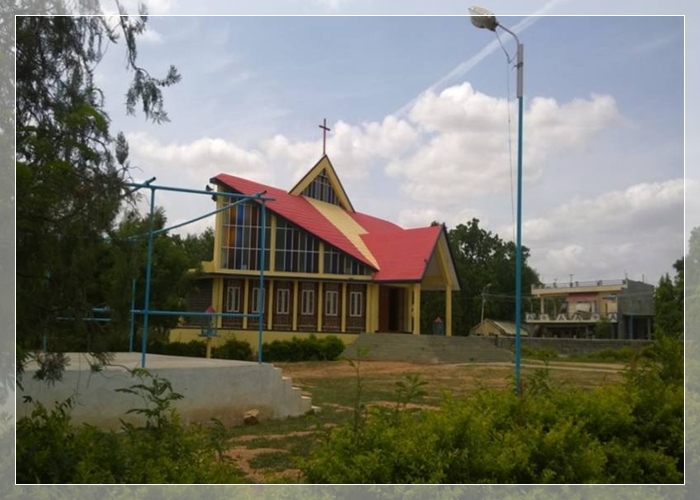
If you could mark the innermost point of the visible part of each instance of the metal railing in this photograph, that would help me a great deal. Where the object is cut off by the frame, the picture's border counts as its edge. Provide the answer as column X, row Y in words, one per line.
column 579, row 284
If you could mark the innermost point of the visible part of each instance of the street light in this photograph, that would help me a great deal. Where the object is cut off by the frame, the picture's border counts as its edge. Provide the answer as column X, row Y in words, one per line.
column 482, row 18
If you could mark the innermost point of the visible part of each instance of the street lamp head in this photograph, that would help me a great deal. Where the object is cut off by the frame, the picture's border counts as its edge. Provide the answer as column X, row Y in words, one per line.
column 482, row 18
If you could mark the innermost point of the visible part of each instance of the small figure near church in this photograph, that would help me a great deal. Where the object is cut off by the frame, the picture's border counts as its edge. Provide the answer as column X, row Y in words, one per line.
column 438, row 326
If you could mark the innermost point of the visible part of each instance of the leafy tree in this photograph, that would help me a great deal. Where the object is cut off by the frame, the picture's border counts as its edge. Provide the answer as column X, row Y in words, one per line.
column 173, row 257
column 70, row 169
column 668, row 304
column 481, row 258
column 198, row 247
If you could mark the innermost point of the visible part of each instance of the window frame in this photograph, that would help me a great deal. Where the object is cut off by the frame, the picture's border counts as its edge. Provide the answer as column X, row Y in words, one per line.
column 229, row 299
column 282, row 300
column 331, row 303
column 356, row 304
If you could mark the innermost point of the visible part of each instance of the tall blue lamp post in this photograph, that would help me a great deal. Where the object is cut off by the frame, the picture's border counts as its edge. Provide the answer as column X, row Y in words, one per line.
column 482, row 18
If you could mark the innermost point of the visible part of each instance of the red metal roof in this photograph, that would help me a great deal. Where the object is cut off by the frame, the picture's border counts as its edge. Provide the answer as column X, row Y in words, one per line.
column 297, row 210
column 402, row 254
column 373, row 224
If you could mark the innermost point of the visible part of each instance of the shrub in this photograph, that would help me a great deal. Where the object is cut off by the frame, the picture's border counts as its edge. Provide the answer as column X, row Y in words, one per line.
column 233, row 349
column 627, row 433
column 51, row 450
column 308, row 349
column 193, row 348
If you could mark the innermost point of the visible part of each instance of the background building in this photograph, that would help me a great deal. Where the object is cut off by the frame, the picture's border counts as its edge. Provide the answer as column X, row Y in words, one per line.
column 622, row 309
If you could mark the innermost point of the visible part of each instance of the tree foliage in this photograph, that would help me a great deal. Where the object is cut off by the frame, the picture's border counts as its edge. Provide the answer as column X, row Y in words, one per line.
column 668, row 304
column 70, row 167
column 172, row 260
column 481, row 258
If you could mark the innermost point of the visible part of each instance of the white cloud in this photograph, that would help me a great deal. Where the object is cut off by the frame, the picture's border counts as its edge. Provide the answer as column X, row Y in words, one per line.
column 605, row 236
column 151, row 36
column 197, row 160
column 466, row 153
column 355, row 148
column 421, row 217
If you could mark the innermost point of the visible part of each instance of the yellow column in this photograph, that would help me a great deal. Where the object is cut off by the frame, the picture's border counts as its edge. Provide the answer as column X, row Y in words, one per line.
column 319, row 312
column 374, row 323
column 273, row 240
column 217, row 299
column 245, row 303
column 321, row 249
column 448, row 310
column 344, row 307
column 368, row 309
column 270, row 298
column 208, row 355
column 295, row 309
column 416, row 309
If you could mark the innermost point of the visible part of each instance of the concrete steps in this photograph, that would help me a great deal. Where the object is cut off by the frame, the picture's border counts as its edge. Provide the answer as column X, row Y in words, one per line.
column 295, row 401
column 426, row 349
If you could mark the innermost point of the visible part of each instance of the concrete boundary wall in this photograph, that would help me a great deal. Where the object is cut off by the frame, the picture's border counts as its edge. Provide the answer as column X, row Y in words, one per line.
column 569, row 346
column 220, row 389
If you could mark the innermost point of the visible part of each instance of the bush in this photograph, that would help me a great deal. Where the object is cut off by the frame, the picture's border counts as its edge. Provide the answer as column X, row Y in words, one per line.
column 626, row 433
column 233, row 349
column 309, row 349
column 51, row 450
column 193, row 348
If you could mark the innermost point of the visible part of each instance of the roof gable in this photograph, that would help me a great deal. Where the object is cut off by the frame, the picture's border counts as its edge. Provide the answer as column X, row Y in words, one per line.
column 322, row 183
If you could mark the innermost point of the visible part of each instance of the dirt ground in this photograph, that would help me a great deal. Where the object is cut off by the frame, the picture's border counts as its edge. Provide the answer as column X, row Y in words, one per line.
column 343, row 369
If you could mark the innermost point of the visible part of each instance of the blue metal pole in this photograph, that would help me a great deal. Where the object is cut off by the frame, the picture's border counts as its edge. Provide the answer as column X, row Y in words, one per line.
column 147, row 293
column 156, row 312
column 261, row 296
column 131, row 319
column 518, row 242
column 225, row 194
column 518, row 249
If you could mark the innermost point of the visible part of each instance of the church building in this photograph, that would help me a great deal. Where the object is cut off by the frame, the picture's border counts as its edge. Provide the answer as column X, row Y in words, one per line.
column 329, row 269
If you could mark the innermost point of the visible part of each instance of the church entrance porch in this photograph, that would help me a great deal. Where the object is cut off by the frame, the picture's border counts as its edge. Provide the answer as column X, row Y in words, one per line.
column 393, row 309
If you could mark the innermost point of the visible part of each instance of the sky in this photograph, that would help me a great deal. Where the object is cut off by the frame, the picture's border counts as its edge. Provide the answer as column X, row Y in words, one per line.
column 423, row 121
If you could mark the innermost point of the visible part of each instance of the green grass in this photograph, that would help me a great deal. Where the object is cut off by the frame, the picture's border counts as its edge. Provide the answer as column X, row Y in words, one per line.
column 341, row 391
